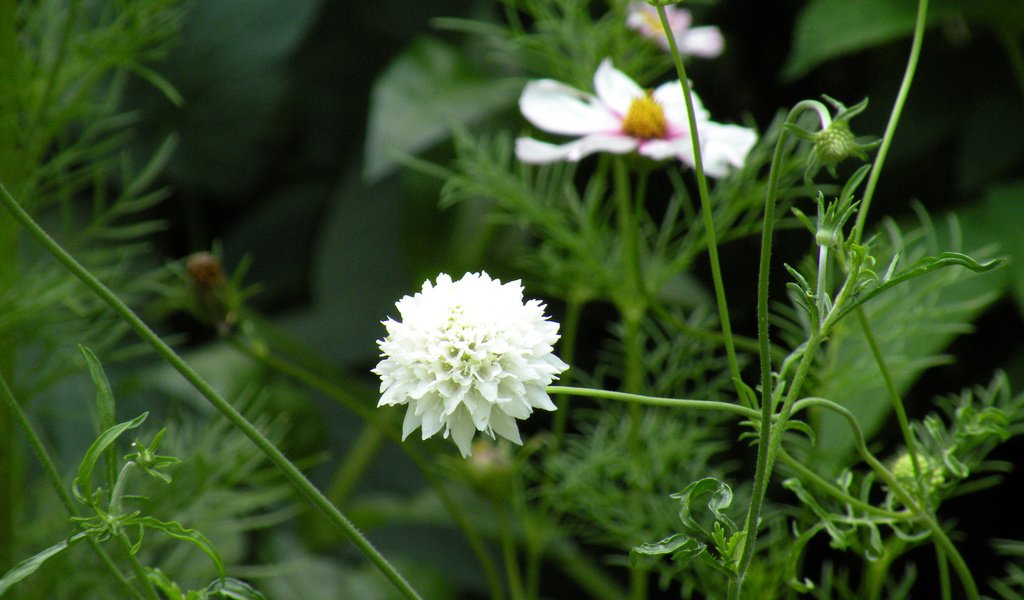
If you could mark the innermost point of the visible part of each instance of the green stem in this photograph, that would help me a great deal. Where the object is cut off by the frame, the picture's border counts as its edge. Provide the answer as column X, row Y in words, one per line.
column 894, row 118
column 140, row 573
column 939, row 536
column 763, row 467
column 509, row 553
column 50, row 470
column 943, row 564
column 358, row 459
column 806, row 474
column 766, row 452
column 894, row 395
column 331, row 390
column 276, row 457
column 728, row 407
column 705, row 203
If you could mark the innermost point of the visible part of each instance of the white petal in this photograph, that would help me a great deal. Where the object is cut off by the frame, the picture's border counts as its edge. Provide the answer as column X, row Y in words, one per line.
column 705, row 42
column 670, row 95
column 534, row 151
column 724, row 147
column 558, row 108
column 538, row 397
column 615, row 89
column 505, row 426
column 411, row 423
column 461, row 427
column 679, row 147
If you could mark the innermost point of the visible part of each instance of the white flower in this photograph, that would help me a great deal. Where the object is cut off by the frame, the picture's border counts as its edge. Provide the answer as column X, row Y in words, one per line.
column 705, row 42
column 623, row 118
column 468, row 355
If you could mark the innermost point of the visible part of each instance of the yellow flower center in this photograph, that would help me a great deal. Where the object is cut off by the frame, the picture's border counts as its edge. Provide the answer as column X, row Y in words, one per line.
column 645, row 119
column 653, row 22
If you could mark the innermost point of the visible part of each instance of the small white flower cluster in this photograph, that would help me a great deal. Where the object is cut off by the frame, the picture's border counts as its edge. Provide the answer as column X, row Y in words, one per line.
column 468, row 355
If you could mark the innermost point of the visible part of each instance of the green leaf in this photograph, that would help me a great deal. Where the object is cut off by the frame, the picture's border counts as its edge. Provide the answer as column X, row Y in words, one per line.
column 679, row 545
column 176, row 530
column 827, row 29
column 31, row 565
column 232, row 589
column 105, row 408
column 922, row 267
column 720, row 499
column 82, row 484
column 417, row 100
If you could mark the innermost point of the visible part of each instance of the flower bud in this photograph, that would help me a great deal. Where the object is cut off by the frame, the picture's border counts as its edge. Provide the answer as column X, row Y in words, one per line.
column 835, row 143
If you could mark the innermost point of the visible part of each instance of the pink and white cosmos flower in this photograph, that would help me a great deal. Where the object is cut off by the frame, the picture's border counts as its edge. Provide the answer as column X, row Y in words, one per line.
column 704, row 42
column 624, row 118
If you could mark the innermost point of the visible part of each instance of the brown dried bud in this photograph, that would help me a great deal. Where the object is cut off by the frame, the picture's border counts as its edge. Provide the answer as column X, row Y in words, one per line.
column 204, row 272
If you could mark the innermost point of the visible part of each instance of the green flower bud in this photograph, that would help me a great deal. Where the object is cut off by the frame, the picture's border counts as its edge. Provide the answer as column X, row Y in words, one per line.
column 836, row 143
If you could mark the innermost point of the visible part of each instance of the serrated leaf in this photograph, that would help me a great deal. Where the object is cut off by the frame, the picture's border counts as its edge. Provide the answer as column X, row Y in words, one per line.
column 176, row 530
column 416, row 101
column 921, row 267
column 31, row 565
column 720, row 499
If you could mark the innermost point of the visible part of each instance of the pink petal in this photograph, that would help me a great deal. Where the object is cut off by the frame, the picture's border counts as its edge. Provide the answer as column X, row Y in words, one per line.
column 705, row 42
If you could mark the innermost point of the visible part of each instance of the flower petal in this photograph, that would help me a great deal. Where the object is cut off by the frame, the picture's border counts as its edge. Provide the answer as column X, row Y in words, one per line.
column 505, row 426
column 559, row 108
column 677, row 147
column 670, row 95
column 534, row 151
column 705, row 42
column 724, row 147
column 615, row 89
column 460, row 425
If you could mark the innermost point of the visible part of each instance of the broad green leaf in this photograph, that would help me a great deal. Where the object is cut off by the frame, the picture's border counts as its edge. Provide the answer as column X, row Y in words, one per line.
column 232, row 589
column 679, row 545
column 31, row 565
column 417, row 100
column 82, row 485
column 105, row 408
column 827, row 29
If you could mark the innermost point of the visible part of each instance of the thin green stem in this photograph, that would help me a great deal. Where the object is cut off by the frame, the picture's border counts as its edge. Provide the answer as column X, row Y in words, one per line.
column 276, row 457
column 705, row 203
column 939, row 536
column 140, row 573
column 53, row 475
column 509, row 553
column 358, row 460
column 766, row 453
column 806, row 474
column 943, row 564
column 728, row 407
column 894, row 395
column 343, row 397
column 762, row 471
column 894, row 119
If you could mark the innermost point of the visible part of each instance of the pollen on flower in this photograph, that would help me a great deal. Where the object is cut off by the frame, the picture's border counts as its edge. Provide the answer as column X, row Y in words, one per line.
column 645, row 119
column 468, row 356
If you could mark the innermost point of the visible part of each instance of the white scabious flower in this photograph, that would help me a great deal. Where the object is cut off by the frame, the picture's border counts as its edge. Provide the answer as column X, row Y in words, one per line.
column 468, row 355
